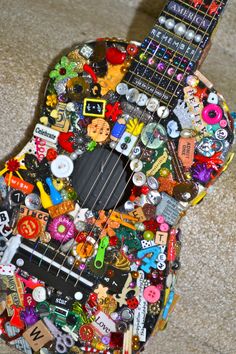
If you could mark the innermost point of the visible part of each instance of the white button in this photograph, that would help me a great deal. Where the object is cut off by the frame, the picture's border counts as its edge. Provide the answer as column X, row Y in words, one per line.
column 136, row 165
column 142, row 99
column 152, row 104
column 163, row 112
column 213, row 98
column 122, row 88
column 161, row 257
column 132, row 95
column 139, row 179
column 62, row 166
column 152, row 183
column 78, row 296
column 39, row 294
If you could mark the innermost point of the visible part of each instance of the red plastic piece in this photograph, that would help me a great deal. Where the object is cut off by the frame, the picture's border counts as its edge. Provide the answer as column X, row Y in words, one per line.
column 113, row 111
column 66, row 141
column 90, row 71
column 16, row 320
column 51, row 154
column 171, row 254
column 115, row 56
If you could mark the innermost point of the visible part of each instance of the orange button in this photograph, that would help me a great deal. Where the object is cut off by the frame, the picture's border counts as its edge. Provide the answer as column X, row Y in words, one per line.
column 29, row 227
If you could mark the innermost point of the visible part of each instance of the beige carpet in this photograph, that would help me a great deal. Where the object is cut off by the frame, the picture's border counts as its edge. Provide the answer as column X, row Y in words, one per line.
column 32, row 34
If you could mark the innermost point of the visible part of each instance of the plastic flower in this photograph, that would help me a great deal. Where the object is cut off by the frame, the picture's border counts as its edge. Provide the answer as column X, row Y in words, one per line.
column 13, row 166
column 51, row 100
column 63, row 70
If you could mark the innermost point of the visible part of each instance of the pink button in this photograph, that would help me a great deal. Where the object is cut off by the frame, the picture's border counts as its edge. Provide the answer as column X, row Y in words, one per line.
column 151, row 294
column 164, row 227
column 160, row 219
column 223, row 123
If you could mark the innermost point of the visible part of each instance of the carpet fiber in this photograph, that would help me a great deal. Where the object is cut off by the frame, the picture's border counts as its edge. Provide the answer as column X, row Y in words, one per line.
column 32, row 36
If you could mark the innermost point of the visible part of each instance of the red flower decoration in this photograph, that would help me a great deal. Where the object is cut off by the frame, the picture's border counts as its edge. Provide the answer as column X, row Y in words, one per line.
column 13, row 165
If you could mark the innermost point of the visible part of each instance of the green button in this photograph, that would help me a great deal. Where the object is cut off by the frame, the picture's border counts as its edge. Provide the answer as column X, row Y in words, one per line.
column 152, row 135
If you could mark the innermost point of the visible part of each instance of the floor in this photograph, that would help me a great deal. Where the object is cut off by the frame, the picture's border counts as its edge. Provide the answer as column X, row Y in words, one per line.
column 32, row 36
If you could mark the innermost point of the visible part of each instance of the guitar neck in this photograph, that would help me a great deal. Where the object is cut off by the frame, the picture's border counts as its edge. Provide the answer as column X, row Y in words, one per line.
column 174, row 47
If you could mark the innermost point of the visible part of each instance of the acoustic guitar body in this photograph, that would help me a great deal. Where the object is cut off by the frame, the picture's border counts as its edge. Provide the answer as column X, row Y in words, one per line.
column 129, row 137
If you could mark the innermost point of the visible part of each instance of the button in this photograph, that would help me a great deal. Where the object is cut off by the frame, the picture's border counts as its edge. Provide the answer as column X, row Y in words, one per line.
column 142, row 100
column 139, row 179
column 39, row 294
column 132, row 95
column 78, row 296
column 29, row 227
column 20, row 262
column 152, row 135
column 161, row 257
column 105, row 340
column 154, row 197
column 16, row 197
column 151, row 294
column 62, row 166
column 122, row 89
column 136, row 165
column 152, row 104
column 163, row 112
column 33, row 201
column 221, row 134
column 126, row 314
column 86, row 332
column 152, row 183
column 164, row 227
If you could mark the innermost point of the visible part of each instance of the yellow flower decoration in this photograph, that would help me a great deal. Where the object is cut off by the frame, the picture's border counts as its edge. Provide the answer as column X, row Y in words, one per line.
column 51, row 100
column 134, row 127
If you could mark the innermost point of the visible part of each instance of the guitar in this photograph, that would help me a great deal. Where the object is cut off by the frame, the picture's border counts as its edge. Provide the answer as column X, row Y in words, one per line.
column 129, row 137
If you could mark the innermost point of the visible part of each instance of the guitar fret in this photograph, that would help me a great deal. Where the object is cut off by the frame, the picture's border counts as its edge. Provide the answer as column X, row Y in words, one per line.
column 172, row 34
column 192, row 7
column 150, row 82
column 153, row 70
column 162, row 59
column 174, row 43
column 188, row 24
column 184, row 13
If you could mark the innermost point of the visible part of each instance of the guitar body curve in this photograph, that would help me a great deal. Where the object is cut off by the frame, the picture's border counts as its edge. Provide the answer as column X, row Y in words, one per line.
column 91, row 206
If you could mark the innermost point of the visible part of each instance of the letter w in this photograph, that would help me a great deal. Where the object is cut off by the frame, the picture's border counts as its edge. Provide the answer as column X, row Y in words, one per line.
column 36, row 335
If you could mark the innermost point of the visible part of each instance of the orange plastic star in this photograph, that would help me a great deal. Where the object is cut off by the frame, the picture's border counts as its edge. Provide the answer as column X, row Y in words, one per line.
column 105, row 224
column 166, row 184
column 201, row 92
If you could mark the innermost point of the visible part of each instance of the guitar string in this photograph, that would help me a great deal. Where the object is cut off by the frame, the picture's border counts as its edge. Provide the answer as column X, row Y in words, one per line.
column 156, row 50
column 48, row 246
column 199, row 45
column 206, row 32
column 153, row 55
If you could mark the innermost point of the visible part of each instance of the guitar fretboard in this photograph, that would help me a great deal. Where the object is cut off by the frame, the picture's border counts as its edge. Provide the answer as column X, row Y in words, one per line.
column 173, row 48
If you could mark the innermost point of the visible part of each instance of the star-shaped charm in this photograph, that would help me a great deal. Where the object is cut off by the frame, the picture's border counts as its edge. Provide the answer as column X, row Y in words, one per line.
column 101, row 291
column 201, row 93
column 166, row 184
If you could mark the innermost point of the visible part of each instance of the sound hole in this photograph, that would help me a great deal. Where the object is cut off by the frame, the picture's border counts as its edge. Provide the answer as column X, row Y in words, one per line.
column 100, row 179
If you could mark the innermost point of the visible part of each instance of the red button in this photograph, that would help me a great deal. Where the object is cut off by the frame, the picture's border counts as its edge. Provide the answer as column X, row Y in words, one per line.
column 86, row 332
column 151, row 294
column 28, row 227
